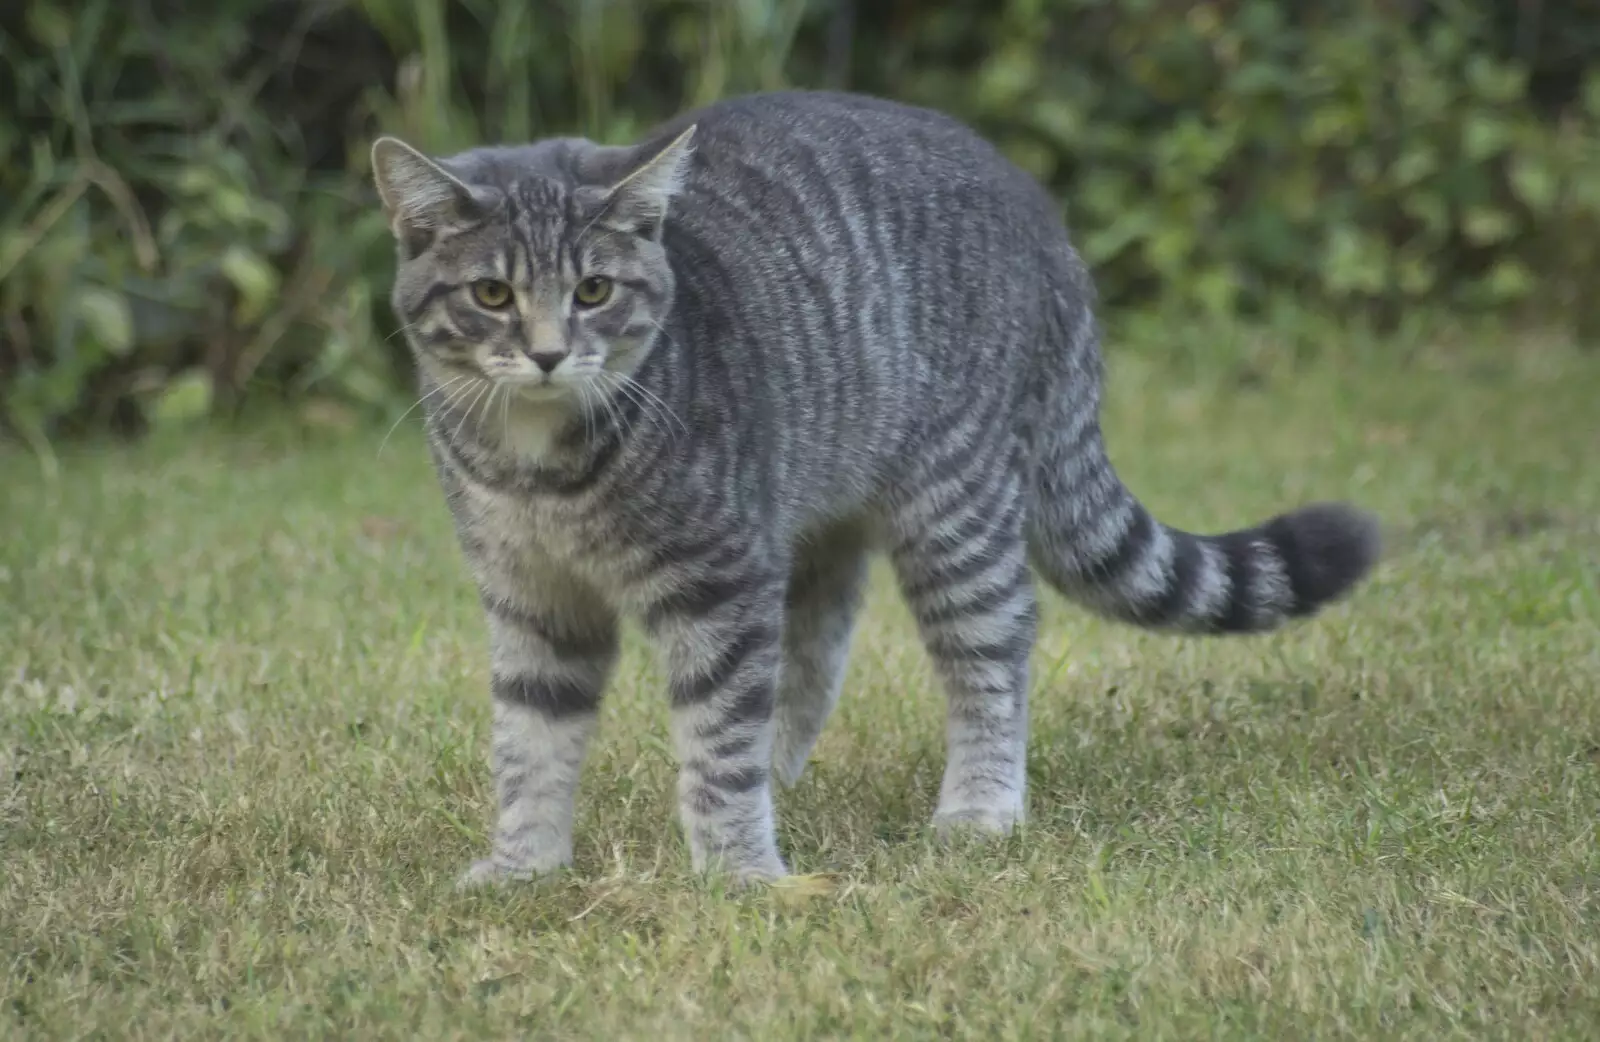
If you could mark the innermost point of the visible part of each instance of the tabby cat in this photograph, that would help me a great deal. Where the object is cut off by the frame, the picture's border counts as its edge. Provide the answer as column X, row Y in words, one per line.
column 698, row 380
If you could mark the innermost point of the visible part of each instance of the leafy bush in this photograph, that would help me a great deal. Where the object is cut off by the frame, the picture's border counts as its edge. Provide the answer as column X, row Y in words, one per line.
column 1222, row 153
column 185, row 217
column 170, row 227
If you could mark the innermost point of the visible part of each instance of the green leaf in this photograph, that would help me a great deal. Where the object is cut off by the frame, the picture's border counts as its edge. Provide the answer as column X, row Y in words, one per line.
column 1257, row 78
column 1354, row 262
column 1059, row 120
column 1591, row 93
column 1216, row 290
column 1104, row 244
column 1429, row 208
column 49, row 24
column 186, row 399
column 1006, row 77
column 1417, row 162
column 1031, row 156
column 1509, row 280
column 1483, row 136
column 1494, row 82
column 1485, row 225
column 1416, row 275
column 107, row 318
column 256, row 280
column 1534, row 182
column 1171, row 248
column 1332, row 123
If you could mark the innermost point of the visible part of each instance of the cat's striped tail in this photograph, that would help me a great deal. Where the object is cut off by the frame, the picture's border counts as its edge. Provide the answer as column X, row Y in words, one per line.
column 1096, row 544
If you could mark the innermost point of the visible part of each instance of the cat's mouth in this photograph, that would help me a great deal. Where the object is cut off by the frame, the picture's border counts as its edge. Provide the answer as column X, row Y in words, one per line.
column 539, row 390
column 543, row 390
column 531, row 385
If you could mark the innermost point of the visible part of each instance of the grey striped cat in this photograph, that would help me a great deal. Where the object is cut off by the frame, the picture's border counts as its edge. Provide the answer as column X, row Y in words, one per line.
column 696, row 381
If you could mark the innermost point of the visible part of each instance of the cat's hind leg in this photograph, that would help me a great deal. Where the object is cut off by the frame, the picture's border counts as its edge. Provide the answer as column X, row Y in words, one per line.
column 823, row 599
column 962, row 563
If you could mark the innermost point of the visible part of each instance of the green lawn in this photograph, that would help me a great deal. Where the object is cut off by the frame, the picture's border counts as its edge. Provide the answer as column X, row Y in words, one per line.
column 243, row 729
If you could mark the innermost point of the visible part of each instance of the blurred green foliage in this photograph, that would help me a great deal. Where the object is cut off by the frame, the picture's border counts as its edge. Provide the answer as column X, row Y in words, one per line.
column 1226, row 152
column 185, row 217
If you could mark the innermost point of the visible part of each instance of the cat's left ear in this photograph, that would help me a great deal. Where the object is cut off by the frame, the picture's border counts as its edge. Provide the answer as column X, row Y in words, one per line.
column 638, row 203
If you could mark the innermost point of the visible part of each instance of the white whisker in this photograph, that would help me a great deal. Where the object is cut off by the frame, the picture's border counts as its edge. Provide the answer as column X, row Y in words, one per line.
column 612, row 383
column 404, row 327
column 466, row 414
column 650, row 406
column 505, row 417
column 395, row 426
column 660, row 404
column 613, row 412
column 588, row 414
column 456, row 395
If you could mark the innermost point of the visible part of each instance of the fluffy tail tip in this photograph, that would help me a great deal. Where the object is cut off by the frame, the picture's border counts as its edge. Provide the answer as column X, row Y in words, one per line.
column 1328, row 548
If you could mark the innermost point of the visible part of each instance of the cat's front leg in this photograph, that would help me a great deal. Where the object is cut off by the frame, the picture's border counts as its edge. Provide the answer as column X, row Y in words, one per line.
column 549, row 668
column 722, row 635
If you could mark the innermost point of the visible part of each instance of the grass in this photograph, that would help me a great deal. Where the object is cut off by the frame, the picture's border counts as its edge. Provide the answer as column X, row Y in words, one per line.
column 243, row 724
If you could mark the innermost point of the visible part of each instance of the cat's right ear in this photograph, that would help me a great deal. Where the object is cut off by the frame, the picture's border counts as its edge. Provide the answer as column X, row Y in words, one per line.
column 420, row 197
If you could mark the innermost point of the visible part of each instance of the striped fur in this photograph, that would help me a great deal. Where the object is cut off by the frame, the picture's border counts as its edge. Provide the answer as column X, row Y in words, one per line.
column 838, row 325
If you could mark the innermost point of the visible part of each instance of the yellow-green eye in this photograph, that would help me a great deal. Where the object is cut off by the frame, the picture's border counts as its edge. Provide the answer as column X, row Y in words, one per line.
column 592, row 291
column 491, row 293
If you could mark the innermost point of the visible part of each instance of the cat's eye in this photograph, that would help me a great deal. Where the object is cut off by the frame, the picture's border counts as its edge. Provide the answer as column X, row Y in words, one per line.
column 592, row 291
column 491, row 293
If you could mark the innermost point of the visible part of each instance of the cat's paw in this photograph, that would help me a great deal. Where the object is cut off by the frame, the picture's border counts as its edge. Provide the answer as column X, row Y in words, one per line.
column 955, row 822
column 742, row 874
column 748, row 876
column 495, row 871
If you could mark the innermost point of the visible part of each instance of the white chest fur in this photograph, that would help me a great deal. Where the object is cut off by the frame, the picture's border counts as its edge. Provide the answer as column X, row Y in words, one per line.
column 529, row 433
column 544, row 544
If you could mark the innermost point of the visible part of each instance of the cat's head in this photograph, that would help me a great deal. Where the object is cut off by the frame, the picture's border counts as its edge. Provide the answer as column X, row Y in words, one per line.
column 540, row 268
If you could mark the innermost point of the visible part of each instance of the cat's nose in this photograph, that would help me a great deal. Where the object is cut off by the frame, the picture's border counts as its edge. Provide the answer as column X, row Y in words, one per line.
column 547, row 360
